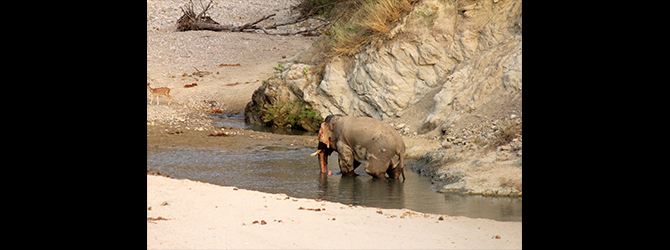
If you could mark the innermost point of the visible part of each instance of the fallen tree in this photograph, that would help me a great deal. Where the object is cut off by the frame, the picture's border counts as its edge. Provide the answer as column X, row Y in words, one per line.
column 202, row 21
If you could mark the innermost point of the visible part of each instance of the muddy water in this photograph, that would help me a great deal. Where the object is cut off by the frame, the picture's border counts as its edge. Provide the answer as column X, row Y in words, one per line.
column 285, row 169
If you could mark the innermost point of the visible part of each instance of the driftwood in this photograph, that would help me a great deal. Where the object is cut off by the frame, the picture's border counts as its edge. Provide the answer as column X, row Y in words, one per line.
column 190, row 21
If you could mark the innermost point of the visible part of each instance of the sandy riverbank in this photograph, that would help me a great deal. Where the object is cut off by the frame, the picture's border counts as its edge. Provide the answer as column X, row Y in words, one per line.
column 189, row 214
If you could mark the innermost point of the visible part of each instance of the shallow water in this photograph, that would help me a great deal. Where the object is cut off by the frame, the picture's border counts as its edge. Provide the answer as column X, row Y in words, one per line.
column 280, row 169
column 237, row 121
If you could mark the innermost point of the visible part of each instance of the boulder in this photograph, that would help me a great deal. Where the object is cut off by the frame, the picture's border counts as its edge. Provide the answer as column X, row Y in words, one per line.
column 281, row 101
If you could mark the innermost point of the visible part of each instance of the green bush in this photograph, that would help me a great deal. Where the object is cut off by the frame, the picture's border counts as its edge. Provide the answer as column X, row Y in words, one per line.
column 294, row 115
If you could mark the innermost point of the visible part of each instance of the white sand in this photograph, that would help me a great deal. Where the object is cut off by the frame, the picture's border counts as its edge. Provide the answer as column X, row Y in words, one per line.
column 201, row 215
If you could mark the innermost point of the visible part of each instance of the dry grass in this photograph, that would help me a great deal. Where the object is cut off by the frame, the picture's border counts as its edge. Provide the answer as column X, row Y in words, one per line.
column 365, row 22
column 354, row 25
column 322, row 7
column 507, row 133
column 345, row 40
column 379, row 17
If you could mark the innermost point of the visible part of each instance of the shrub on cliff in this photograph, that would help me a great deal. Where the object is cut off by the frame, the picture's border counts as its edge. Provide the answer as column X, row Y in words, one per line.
column 322, row 7
column 371, row 20
column 292, row 115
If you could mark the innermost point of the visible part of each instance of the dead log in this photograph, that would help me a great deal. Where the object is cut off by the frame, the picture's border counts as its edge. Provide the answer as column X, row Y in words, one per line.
column 251, row 25
column 190, row 21
column 202, row 21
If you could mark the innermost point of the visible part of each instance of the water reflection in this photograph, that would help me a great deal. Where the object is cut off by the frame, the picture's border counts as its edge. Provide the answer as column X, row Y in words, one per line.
column 362, row 190
column 277, row 169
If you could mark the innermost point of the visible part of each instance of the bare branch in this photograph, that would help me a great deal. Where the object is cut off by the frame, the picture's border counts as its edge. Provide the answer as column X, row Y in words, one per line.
column 250, row 25
column 311, row 12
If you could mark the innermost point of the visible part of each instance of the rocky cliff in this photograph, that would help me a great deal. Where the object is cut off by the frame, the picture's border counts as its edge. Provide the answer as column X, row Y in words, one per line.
column 460, row 55
column 450, row 70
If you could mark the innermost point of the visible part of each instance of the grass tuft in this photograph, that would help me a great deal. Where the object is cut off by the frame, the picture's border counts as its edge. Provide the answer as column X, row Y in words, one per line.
column 360, row 22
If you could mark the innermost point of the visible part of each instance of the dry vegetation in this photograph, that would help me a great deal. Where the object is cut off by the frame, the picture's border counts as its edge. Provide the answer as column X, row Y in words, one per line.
column 370, row 20
column 356, row 23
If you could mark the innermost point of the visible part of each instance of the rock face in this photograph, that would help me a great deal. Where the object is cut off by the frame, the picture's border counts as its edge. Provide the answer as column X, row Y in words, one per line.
column 470, row 51
column 454, row 59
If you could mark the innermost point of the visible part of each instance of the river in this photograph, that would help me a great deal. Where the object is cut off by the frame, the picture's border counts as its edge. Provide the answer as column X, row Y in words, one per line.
column 290, row 170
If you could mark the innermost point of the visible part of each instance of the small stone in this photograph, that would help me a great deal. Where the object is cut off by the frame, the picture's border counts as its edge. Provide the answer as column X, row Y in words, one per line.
column 400, row 126
column 506, row 147
column 512, row 116
column 446, row 144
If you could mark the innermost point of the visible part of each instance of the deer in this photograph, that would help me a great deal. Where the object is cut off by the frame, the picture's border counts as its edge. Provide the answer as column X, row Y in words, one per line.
column 159, row 91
